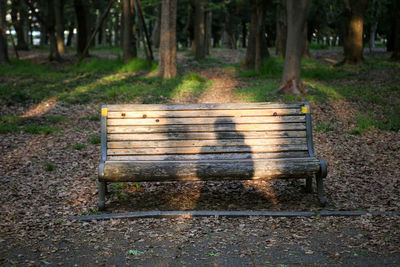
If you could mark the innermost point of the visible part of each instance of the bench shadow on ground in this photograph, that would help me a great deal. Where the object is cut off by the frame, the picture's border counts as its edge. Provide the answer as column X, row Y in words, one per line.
column 211, row 192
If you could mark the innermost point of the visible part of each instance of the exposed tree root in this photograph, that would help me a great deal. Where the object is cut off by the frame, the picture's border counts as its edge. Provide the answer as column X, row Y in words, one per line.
column 291, row 87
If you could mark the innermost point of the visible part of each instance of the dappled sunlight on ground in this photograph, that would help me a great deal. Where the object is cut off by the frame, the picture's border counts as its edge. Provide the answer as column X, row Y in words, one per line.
column 40, row 109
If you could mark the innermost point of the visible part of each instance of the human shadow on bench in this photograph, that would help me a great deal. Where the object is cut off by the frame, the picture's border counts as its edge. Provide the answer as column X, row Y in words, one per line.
column 224, row 179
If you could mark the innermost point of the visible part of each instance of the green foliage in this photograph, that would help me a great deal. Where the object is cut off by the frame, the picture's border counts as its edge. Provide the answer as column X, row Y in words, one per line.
column 49, row 167
column 115, row 65
column 8, row 128
column 324, row 127
column 39, row 129
column 271, row 68
column 55, row 119
column 317, row 46
column 79, row 146
column 95, row 140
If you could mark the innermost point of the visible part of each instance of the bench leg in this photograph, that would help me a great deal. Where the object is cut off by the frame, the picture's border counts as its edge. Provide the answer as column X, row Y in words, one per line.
column 309, row 188
column 320, row 182
column 320, row 190
column 102, row 195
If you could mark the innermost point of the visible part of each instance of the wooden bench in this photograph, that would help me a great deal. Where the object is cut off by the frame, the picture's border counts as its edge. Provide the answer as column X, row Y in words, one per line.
column 193, row 142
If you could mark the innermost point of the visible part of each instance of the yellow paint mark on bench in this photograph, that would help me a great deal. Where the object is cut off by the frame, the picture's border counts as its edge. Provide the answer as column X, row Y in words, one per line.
column 104, row 112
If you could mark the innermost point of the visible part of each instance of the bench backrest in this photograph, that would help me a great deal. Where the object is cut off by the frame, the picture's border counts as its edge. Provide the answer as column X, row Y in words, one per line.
column 237, row 131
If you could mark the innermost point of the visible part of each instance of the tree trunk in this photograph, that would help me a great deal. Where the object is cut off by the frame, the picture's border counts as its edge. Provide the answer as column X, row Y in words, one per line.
column 133, row 30
column 257, row 48
column 208, row 28
column 3, row 38
column 70, row 34
column 244, row 34
column 155, row 35
column 127, row 31
column 297, row 11
column 19, row 20
column 199, row 30
column 353, row 37
column 43, row 34
column 54, row 54
column 59, row 11
column 82, row 17
column 116, row 30
column 396, row 26
column 281, row 29
column 306, row 49
column 229, row 40
column 167, row 63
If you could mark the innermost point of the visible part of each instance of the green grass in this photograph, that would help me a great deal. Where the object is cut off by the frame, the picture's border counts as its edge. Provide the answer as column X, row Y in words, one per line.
column 79, row 146
column 94, row 140
column 271, row 68
column 324, row 127
column 39, row 129
column 49, row 167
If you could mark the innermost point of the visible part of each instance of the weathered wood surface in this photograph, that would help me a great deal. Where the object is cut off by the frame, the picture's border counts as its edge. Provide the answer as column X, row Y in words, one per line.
column 234, row 106
column 205, row 150
column 206, row 128
column 211, row 121
column 115, row 171
column 205, row 136
column 224, row 156
column 202, row 143
column 136, row 114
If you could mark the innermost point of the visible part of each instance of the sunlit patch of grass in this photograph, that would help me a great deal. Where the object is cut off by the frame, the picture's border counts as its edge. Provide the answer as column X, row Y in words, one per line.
column 113, row 65
column 191, row 85
column 321, row 92
column 258, row 93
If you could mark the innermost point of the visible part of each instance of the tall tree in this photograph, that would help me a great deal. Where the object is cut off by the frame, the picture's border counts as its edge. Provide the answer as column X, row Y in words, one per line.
column 396, row 26
column 155, row 35
column 353, row 37
column 281, row 29
column 3, row 38
column 199, row 30
column 127, row 31
column 47, row 21
column 59, row 14
column 51, row 21
column 257, row 48
column 297, row 11
column 82, row 17
column 19, row 16
column 167, row 64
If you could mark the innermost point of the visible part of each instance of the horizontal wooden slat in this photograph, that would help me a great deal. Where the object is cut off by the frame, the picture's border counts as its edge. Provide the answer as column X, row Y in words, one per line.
column 205, row 150
column 206, row 128
column 224, row 156
column 202, row 113
column 212, row 121
column 201, row 106
column 204, row 135
column 208, row 170
column 201, row 143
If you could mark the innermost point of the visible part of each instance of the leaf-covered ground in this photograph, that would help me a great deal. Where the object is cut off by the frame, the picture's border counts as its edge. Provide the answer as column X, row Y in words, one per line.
column 49, row 139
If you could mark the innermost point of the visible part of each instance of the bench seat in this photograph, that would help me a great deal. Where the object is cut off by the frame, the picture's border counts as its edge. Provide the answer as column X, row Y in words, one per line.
column 196, row 142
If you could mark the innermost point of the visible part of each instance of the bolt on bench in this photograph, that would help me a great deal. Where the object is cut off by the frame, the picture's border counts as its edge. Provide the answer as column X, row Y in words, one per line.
column 195, row 142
